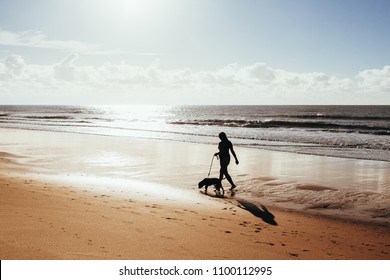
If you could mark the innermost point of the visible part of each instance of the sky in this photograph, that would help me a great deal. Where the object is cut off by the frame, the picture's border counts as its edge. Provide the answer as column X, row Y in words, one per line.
column 195, row 52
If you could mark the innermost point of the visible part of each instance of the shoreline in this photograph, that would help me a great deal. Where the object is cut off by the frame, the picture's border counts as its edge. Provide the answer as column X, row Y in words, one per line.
column 89, row 197
column 351, row 189
column 343, row 155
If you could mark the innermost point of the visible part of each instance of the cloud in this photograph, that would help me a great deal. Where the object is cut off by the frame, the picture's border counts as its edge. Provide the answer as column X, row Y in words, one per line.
column 36, row 39
column 14, row 65
column 374, row 79
column 68, row 82
column 259, row 72
column 66, row 70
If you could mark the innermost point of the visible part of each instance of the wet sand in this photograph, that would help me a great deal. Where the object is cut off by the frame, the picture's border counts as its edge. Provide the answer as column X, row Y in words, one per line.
column 60, row 201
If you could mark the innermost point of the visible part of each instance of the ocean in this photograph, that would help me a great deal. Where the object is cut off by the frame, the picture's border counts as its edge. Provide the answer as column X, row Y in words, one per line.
column 361, row 132
column 354, row 139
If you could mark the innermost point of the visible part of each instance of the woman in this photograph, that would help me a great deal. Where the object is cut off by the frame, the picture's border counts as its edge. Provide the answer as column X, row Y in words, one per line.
column 224, row 157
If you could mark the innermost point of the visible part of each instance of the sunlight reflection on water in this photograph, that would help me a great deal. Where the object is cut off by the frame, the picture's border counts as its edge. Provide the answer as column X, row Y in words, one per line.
column 130, row 188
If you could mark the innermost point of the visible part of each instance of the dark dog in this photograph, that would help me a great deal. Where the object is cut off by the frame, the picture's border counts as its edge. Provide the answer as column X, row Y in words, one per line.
column 212, row 182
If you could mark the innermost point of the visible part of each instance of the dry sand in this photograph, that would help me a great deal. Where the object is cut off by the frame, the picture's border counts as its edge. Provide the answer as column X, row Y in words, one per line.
column 69, row 219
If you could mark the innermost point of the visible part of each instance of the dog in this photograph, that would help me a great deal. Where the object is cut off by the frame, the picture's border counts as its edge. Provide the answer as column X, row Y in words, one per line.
column 206, row 182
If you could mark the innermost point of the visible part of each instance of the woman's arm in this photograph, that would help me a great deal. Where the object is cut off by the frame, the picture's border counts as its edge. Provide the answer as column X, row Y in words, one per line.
column 234, row 154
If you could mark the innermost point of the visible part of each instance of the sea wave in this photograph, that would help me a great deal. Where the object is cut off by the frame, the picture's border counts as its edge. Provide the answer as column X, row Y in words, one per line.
column 357, row 132
column 50, row 117
column 377, row 130
column 333, row 117
column 348, row 202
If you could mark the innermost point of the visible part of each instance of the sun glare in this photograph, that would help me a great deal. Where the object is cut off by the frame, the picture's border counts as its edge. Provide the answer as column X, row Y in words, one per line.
column 129, row 10
column 133, row 7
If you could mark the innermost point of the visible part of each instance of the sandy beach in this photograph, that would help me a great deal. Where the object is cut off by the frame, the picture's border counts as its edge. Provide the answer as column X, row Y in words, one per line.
column 66, row 196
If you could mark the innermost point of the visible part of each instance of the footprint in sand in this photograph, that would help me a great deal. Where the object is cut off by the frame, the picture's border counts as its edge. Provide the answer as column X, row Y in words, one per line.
column 167, row 237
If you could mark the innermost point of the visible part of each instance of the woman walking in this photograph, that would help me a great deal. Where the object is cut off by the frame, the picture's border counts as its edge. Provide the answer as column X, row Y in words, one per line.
column 224, row 157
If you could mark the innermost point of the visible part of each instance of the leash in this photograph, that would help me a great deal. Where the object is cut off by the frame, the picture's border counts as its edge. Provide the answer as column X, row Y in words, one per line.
column 210, row 166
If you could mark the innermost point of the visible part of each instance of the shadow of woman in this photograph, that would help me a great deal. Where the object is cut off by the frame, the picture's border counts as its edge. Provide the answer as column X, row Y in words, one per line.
column 262, row 213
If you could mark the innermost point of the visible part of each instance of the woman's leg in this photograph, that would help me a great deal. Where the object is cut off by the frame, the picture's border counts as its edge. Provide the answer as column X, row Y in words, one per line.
column 223, row 172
